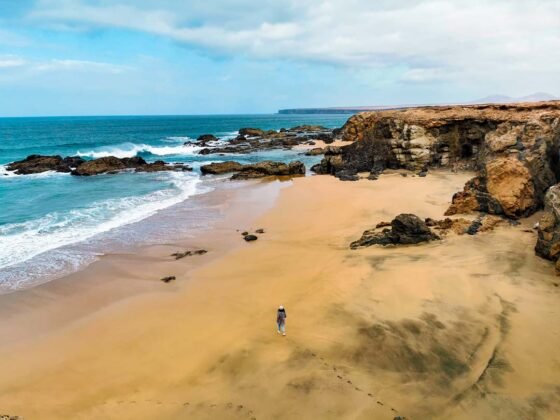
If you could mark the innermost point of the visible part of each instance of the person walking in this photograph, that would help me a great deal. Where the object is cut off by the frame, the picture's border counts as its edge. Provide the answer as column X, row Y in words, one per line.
column 281, row 320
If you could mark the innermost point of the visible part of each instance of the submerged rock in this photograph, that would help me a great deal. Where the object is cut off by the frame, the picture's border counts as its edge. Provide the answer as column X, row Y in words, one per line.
column 406, row 229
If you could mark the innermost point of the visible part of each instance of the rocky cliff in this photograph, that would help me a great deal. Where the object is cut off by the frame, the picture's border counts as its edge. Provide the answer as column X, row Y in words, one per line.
column 514, row 149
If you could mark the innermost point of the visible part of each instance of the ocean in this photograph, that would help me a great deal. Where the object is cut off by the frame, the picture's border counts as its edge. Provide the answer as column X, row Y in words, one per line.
column 52, row 224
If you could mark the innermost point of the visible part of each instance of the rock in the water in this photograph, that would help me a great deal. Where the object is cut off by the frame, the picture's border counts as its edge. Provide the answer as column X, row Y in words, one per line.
column 269, row 168
column 250, row 237
column 220, row 168
column 206, row 137
column 251, row 132
column 35, row 164
column 406, row 229
column 168, row 279
column 100, row 166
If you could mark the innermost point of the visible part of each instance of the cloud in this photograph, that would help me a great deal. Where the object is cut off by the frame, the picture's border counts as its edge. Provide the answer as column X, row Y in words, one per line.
column 78, row 65
column 8, row 62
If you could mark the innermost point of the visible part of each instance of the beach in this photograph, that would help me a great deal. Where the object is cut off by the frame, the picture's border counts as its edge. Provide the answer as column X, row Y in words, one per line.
column 466, row 327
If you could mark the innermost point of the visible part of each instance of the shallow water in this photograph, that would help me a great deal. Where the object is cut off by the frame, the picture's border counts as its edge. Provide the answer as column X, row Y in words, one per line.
column 51, row 223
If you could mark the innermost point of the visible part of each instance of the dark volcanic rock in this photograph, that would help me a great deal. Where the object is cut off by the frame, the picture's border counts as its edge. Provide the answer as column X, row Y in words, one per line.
column 269, row 168
column 179, row 255
column 206, row 137
column 221, row 168
column 35, row 164
column 100, row 166
column 250, row 238
column 251, row 132
column 315, row 152
column 406, row 229
column 168, row 279
column 347, row 175
column 255, row 139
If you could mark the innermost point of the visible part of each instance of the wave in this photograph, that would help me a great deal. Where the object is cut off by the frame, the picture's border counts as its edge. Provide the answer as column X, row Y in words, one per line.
column 5, row 174
column 131, row 149
column 20, row 242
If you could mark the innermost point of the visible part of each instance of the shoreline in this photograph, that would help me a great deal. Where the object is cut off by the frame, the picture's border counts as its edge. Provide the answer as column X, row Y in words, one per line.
column 372, row 333
column 100, row 284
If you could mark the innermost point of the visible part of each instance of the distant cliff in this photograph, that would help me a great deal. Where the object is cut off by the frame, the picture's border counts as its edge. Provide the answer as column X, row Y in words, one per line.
column 342, row 110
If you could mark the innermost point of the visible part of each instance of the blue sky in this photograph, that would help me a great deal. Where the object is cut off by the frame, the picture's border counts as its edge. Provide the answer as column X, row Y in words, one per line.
column 86, row 57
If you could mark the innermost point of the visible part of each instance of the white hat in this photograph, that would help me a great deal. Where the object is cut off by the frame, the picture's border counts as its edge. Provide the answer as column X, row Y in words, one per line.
column 280, row 307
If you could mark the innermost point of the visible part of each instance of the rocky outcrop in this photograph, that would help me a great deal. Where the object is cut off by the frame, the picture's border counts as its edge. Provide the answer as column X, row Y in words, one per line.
column 269, row 168
column 111, row 165
column 77, row 166
column 221, row 168
column 406, row 229
column 254, row 139
column 255, row 170
column 35, row 164
column 513, row 147
column 548, row 228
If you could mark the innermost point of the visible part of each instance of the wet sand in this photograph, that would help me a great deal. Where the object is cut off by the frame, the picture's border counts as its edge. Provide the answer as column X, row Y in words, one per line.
column 468, row 327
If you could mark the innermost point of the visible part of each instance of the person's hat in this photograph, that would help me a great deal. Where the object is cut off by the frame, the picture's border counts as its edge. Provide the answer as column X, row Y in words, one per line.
column 281, row 307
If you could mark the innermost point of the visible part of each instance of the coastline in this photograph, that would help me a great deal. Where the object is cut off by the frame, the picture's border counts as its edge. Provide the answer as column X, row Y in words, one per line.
column 204, row 346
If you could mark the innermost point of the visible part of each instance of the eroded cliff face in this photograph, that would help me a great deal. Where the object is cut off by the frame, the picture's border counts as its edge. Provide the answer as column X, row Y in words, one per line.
column 513, row 148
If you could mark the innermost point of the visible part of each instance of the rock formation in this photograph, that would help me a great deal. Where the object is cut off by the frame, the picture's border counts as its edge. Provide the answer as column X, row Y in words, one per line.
column 406, row 229
column 254, row 139
column 255, row 170
column 514, row 149
column 548, row 228
column 34, row 164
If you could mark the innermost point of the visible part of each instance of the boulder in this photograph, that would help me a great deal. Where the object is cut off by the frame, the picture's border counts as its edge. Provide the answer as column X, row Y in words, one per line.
column 406, row 229
column 206, row 138
column 548, row 228
column 315, row 151
column 221, row 168
column 100, row 166
column 35, row 164
column 269, row 168
column 251, row 132
column 250, row 238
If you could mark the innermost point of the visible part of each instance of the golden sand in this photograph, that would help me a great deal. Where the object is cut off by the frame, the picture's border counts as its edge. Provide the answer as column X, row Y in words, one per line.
column 468, row 327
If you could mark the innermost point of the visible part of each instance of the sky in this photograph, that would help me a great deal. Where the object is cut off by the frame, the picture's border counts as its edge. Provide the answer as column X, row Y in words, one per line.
column 100, row 57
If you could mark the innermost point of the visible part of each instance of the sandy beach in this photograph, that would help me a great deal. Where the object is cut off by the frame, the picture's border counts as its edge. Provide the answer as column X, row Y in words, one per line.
column 467, row 327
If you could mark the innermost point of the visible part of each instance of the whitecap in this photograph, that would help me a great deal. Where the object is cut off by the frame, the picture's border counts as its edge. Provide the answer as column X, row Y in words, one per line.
column 22, row 241
column 125, row 150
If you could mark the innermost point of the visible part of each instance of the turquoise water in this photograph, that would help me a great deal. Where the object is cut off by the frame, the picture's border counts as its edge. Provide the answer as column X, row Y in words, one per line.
column 53, row 223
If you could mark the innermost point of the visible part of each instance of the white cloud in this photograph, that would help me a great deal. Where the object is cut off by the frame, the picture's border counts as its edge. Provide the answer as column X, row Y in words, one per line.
column 10, row 61
column 506, row 41
column 78, row 65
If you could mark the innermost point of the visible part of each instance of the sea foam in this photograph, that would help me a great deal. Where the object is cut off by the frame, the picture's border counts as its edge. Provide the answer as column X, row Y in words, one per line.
column 125, row 150
column 20, row 242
